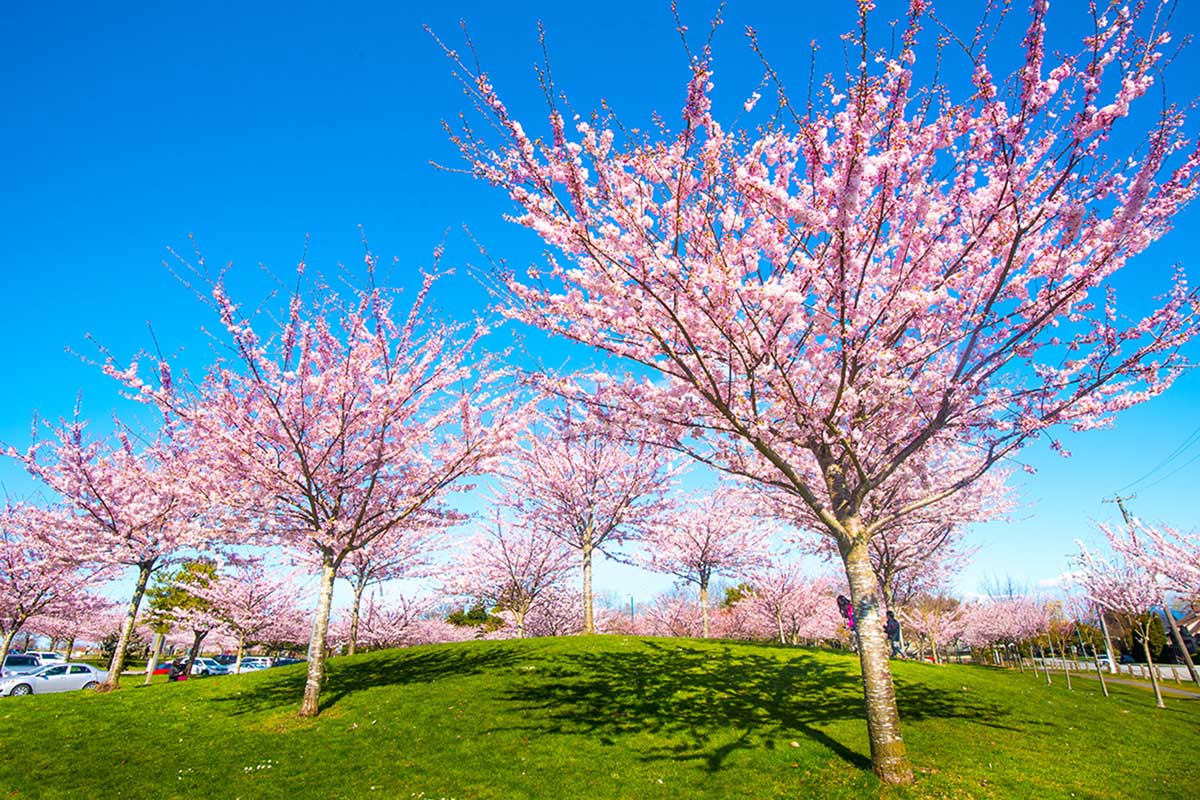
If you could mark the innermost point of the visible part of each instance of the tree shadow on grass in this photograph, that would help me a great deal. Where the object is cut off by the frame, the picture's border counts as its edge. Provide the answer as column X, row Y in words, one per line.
column 359, row 673
column 694, row 696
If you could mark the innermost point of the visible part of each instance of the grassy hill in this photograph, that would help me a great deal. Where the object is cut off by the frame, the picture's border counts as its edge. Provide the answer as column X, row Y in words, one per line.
column 595, row 717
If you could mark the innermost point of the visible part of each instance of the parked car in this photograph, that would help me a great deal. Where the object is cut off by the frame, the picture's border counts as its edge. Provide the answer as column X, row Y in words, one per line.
column 53, row 678
column 225, row 660
column 207, row 666
column 255, row 663
column 19, row 664
column 285, row 662
column 1102, row 661
column 47, row 657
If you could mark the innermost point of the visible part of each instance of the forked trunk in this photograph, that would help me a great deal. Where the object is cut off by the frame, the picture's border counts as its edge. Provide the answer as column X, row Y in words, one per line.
column 589, row 623
column 704, row 606
column 888, row 757
column 1158, row 698
column 118, row 660
column 310, row 705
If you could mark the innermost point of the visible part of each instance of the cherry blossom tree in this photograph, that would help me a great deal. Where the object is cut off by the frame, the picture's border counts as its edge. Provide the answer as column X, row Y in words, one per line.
column 577, row 478
column 406, row 551
column 673, row 614
column 556, row 613
column 511, row 567
column 134, row 506
column 934, row 619
column 392, row 623
column 1172, row 559
column 250, row 603
column 898, row 265
column 704, row 535
column 798, row 607
column 1174, row 556
column 1002, row 621
column 1124, row 588
column 340, row 424
column 43, row 573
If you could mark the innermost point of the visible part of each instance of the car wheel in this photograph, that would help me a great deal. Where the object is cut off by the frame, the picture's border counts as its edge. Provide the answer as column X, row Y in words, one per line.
column 21, row 689
column 90, row 685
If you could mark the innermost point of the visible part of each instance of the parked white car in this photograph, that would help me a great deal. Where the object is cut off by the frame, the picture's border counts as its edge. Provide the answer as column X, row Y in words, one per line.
column 48, row 657
column 53, row 678
column 207, row 666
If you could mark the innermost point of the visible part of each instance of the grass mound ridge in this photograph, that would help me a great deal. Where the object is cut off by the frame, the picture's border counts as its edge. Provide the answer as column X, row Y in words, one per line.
column 595, row 717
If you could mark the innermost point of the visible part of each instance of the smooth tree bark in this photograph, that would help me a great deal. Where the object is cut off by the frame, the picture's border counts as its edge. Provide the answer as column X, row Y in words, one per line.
column 338, row 423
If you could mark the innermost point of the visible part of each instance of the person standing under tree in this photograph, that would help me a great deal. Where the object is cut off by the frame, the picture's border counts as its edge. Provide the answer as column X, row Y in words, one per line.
column 892, row 628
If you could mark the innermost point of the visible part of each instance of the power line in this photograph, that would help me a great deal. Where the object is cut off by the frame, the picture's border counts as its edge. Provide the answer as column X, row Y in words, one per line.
column 1188, row 441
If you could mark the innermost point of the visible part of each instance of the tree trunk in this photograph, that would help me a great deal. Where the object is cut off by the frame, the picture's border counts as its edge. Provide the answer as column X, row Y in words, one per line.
column 5, row 643
column 779, row 622
column 152, row 664
column 118, row 660
column 358, row 591
column 1158, row 698
column 589, row 622
column 197, row 638
column 310, row 705
column 1045, row 661
column 1100, row 674
column 70, row 645
column 933, row 647
column 1177, row 638
column 1108, row 648
column 888, row 757
column 237, row 667
column 704, row 606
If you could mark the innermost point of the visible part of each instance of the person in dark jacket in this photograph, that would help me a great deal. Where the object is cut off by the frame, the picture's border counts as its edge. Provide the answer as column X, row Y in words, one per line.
column 892, row 627
column 177, row 671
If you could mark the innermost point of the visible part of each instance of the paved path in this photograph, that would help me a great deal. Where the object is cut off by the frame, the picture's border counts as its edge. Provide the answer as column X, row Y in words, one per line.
column 1142, row 684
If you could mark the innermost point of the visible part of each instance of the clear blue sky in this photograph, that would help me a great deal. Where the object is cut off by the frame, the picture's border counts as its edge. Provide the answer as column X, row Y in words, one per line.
column 125, row 129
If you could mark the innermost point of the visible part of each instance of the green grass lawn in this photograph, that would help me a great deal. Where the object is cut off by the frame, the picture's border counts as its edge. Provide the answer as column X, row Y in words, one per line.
column 595, row 717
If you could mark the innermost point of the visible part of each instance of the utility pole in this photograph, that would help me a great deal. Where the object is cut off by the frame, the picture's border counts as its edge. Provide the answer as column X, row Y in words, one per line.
column 1162, row 600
